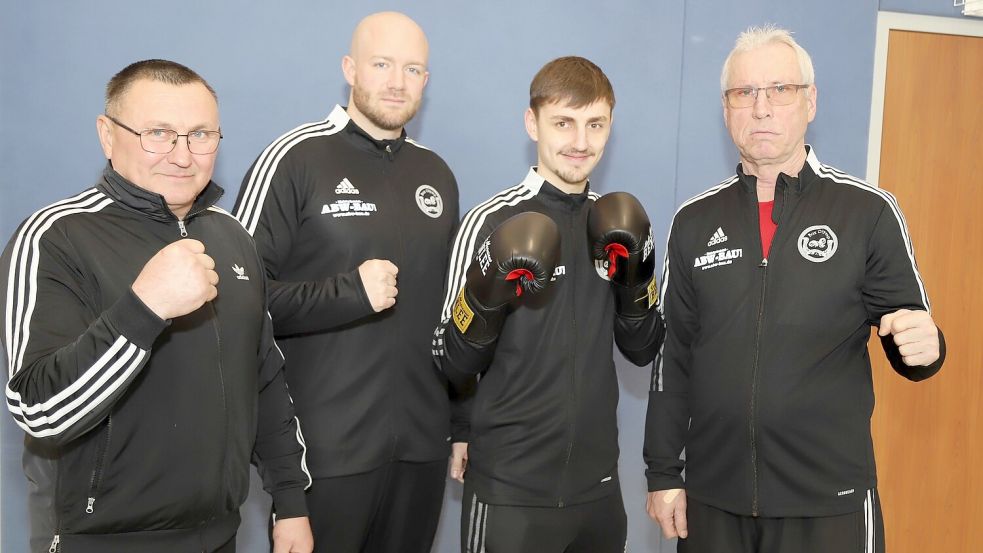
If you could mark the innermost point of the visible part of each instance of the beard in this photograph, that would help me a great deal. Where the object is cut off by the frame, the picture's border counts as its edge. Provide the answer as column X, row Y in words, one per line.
column 575, row 175
column 380, row 117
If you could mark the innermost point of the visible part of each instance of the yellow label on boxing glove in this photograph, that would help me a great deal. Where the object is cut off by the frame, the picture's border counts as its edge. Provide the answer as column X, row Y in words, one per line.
column 462, row 313
column 653, row 293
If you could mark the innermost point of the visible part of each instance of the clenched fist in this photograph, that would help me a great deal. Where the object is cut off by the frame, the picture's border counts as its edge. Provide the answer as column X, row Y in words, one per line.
column 914, row 333
column 177, row 280
column 379, row 280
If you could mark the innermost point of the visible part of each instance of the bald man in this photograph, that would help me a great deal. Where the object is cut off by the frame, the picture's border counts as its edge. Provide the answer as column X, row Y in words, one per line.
column 354, row 220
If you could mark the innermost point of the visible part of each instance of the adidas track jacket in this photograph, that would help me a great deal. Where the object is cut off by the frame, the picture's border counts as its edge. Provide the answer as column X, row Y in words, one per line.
column 542, row 425
column 139, row 430
column 319, row 201
column 765, row 378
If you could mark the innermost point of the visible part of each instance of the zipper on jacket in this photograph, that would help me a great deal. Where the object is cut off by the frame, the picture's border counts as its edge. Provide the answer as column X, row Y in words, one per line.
column 573, row 374
column 392, row 189
column 184, row 230
column 225, row 406
column 55, row 543
column 97, row 469
column 754, row 388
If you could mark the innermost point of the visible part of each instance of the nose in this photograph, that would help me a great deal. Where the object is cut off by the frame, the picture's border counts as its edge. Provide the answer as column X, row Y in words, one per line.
column 762, row 107
column 397, row 79
column 580, row 140
column 180, row 155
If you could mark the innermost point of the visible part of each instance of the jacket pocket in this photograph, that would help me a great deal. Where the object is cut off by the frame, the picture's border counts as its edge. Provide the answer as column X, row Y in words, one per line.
column 98, row 466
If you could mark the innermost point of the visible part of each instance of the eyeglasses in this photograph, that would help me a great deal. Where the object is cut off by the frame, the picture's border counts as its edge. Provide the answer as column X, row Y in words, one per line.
column 778, row 95
column 163, row 141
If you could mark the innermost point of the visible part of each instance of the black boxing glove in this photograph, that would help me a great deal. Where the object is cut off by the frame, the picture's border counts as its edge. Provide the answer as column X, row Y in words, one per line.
column 517, row 258
column 620, row 235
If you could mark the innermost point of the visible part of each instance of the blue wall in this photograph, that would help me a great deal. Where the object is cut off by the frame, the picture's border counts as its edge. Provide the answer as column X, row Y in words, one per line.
column 275, row 67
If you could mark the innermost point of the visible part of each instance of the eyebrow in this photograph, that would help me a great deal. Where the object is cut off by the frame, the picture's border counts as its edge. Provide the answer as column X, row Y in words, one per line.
column 600, row 118
column 775, row 82
column 390, row 59
column 158, row 124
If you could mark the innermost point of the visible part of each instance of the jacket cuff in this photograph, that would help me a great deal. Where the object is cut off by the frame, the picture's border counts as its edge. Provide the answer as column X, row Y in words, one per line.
column 657, row 481
column 460, row 433
column 134, row 320
column 363, row 297
column 289, row 503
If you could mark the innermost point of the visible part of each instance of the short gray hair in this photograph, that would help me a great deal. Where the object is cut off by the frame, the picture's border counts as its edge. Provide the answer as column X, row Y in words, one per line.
column 757, row 37
column 162, row 71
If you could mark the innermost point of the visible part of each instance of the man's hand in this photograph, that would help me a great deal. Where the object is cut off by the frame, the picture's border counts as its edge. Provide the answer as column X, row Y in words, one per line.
column 459, row 460
column 914, row 333
column 177, row 280
column 379, row 280
column 668, row 508
column 293, row 535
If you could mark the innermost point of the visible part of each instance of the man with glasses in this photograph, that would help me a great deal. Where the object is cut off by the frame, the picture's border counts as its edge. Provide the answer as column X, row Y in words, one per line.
column 346, row 212
column 772, row 281
column 141, row 358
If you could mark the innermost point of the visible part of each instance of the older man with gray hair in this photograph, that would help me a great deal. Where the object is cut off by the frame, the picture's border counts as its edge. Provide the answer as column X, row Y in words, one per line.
column 772, row 281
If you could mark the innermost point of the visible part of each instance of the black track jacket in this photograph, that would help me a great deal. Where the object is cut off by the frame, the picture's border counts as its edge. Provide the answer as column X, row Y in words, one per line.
column 543, row 421
column 139, row 430
column 319, row 201
column 768, row 357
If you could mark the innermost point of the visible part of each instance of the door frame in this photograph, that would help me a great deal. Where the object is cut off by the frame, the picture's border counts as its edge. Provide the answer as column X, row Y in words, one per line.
column 895, row 21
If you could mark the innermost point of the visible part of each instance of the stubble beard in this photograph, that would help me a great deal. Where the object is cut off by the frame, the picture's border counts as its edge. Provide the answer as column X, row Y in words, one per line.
column 383, row 119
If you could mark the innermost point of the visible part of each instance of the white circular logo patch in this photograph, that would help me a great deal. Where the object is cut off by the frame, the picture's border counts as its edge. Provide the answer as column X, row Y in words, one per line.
column 818, row 243
column 429, row 201
column 601, row 266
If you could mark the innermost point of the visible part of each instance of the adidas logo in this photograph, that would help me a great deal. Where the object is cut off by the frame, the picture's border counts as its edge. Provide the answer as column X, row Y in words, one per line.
column 718, row 237
column 345, row 187
column 240, row 272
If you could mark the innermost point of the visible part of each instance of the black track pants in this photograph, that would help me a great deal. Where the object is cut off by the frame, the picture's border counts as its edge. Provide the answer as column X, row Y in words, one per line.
column 596, row 527
column 392, row 509
column 712, row 530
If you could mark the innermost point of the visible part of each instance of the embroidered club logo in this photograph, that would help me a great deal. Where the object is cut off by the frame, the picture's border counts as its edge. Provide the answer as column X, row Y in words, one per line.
column 429, row 201
column 818, row 243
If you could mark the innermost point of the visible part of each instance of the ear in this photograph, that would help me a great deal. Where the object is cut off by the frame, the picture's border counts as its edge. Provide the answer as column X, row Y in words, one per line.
column 811, row 95
column 426, row 77
column 348, row 68
column 104, row 128
column 532, row 127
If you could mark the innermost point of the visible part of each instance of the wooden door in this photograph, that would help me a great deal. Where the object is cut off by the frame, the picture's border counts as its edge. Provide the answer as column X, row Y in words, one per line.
column 927, row 435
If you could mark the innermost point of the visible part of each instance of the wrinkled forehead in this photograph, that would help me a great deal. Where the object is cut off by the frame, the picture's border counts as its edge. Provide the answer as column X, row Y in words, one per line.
column 153, row 102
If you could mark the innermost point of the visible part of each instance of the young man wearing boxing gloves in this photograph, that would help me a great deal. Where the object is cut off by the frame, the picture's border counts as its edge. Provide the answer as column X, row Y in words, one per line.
column 542, row 276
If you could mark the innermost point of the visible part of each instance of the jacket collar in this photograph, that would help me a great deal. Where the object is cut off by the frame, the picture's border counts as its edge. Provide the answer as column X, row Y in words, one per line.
column 797, row 184
column 150, row 204
column 552, row 195
column 361, row 139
